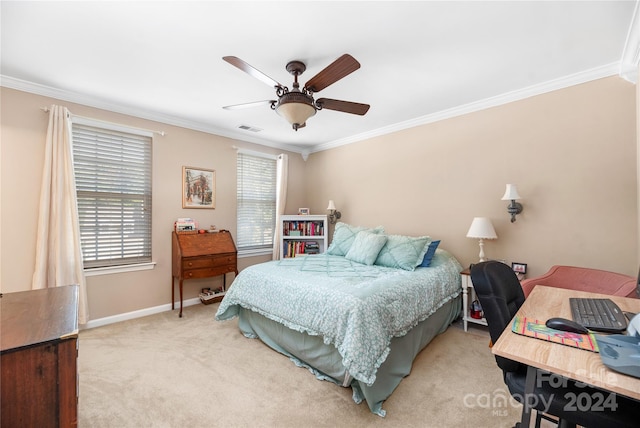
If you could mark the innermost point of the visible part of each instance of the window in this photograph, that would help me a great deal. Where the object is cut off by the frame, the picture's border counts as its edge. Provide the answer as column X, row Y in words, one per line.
column 256, row 202
column 112, row 168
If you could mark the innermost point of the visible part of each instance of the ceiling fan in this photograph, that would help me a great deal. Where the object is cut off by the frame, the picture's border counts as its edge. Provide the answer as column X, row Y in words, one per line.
column 297, row 105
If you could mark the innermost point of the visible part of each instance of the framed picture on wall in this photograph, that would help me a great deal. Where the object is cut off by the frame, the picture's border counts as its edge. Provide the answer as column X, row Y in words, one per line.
column 198, row 187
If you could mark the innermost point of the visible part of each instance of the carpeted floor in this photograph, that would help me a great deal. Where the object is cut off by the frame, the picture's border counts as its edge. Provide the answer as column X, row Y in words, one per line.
column 163, row 371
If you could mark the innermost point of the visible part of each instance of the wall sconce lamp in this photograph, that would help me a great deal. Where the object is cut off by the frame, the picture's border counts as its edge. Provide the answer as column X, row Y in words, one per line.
column 511, row 194
column 334, row 214
column 481, row 229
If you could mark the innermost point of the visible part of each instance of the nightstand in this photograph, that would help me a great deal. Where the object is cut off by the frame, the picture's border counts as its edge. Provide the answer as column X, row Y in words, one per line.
column 468, row 296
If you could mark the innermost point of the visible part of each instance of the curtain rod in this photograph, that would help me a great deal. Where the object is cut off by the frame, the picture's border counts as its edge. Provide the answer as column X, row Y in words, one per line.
column 161, row 133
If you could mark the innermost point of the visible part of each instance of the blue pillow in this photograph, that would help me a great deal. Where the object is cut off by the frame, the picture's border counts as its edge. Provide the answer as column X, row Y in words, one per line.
column 426, row 261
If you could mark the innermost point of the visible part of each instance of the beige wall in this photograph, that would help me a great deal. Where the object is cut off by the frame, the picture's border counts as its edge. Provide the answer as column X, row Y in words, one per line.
column 23, row 132
column 571, row 152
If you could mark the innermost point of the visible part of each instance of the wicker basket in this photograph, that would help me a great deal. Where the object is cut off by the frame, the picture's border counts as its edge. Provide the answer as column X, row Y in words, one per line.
column 206, row 296
column 215, row 299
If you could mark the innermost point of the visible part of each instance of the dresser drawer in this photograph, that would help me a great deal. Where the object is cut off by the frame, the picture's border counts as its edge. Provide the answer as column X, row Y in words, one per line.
column 208, row 262
column 207, row 272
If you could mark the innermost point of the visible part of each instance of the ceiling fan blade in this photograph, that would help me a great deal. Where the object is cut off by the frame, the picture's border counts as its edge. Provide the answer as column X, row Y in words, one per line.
column 237, row 62
column 247, row 105
column 344, row 106
column 335, row 71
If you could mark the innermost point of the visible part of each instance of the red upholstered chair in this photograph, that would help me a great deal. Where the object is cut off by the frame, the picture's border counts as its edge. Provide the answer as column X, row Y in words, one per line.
column 584, row 279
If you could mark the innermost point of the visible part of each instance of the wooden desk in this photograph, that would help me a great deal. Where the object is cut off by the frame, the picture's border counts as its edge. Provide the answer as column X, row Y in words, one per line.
column 39, row 344
column 202, row 256
column 584, row 366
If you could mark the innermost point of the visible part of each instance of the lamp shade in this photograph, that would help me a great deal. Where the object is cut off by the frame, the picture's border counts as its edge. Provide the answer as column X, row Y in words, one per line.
column 332, row 206
column 296, row 107
column 511, row 193
column 481, row 228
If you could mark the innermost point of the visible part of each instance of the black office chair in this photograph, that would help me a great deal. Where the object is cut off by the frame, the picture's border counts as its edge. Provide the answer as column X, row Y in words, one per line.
column 500, row 295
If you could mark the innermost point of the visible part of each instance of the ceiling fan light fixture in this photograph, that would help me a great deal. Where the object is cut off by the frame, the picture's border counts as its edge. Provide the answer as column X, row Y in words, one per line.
column 298, row 105
column 296, row 108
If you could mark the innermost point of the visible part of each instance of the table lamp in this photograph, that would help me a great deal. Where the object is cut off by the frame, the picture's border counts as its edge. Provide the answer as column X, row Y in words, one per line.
column 481, row 229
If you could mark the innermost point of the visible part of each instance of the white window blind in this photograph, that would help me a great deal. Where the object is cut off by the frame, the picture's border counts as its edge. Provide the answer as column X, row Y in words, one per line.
column 113, row 183
column 256, row 199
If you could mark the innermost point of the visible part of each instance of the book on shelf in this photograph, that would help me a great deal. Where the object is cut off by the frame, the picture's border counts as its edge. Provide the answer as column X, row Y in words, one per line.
column 294, row 248
column 302, row 228
column 312, row 247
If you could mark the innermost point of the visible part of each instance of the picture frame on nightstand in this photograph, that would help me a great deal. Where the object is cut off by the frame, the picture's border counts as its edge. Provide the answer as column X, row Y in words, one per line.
column 520, row 269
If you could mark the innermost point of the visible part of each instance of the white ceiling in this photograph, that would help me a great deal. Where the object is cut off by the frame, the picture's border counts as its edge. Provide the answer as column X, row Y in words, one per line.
column 421, row 60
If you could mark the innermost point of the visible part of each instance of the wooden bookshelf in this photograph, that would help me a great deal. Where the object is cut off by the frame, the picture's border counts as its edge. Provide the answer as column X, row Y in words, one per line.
column 303, row 235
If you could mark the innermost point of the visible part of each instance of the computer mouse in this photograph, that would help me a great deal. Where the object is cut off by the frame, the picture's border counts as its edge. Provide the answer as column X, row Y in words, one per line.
column 564, row 324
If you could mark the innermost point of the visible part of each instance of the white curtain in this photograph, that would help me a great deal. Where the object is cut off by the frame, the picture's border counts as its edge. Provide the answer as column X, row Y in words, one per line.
column 282, row 175
column 58, row 253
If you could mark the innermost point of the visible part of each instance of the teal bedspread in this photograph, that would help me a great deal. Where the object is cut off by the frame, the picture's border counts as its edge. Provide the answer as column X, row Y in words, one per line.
column 354, row 307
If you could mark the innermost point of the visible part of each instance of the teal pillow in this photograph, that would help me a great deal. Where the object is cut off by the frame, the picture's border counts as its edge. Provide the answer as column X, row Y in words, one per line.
column 403, row 252
column 365, row 247
column 431, row 250
column 343, row 237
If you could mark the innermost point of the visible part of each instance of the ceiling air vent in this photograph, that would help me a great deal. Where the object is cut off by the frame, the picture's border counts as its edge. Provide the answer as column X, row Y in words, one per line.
column 249, row 128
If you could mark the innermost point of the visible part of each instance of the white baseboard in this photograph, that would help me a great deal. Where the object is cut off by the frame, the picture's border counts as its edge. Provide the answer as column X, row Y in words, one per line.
column 137, row 314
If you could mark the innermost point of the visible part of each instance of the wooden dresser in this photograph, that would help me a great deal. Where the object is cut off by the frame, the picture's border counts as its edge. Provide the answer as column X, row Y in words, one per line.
column 202, row 256
column 39, row 358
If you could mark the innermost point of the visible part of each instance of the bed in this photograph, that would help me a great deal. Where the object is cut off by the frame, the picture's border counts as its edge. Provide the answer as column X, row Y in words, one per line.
column 357, row 324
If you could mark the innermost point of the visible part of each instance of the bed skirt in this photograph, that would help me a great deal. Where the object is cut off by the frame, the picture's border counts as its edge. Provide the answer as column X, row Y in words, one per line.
column 325, row 361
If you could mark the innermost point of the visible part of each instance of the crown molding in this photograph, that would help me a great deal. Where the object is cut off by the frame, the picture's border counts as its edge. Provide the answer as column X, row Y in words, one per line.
column 630, row 62
column 74, row 97
column 508, row 97
column 552, row 85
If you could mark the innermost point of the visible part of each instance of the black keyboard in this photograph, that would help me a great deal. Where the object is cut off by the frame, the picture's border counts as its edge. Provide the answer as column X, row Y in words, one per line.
column 598, row 314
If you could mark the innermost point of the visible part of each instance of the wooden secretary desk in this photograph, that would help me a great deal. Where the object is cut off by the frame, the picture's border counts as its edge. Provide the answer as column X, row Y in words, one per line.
column 39, row 358
column 202, row 256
